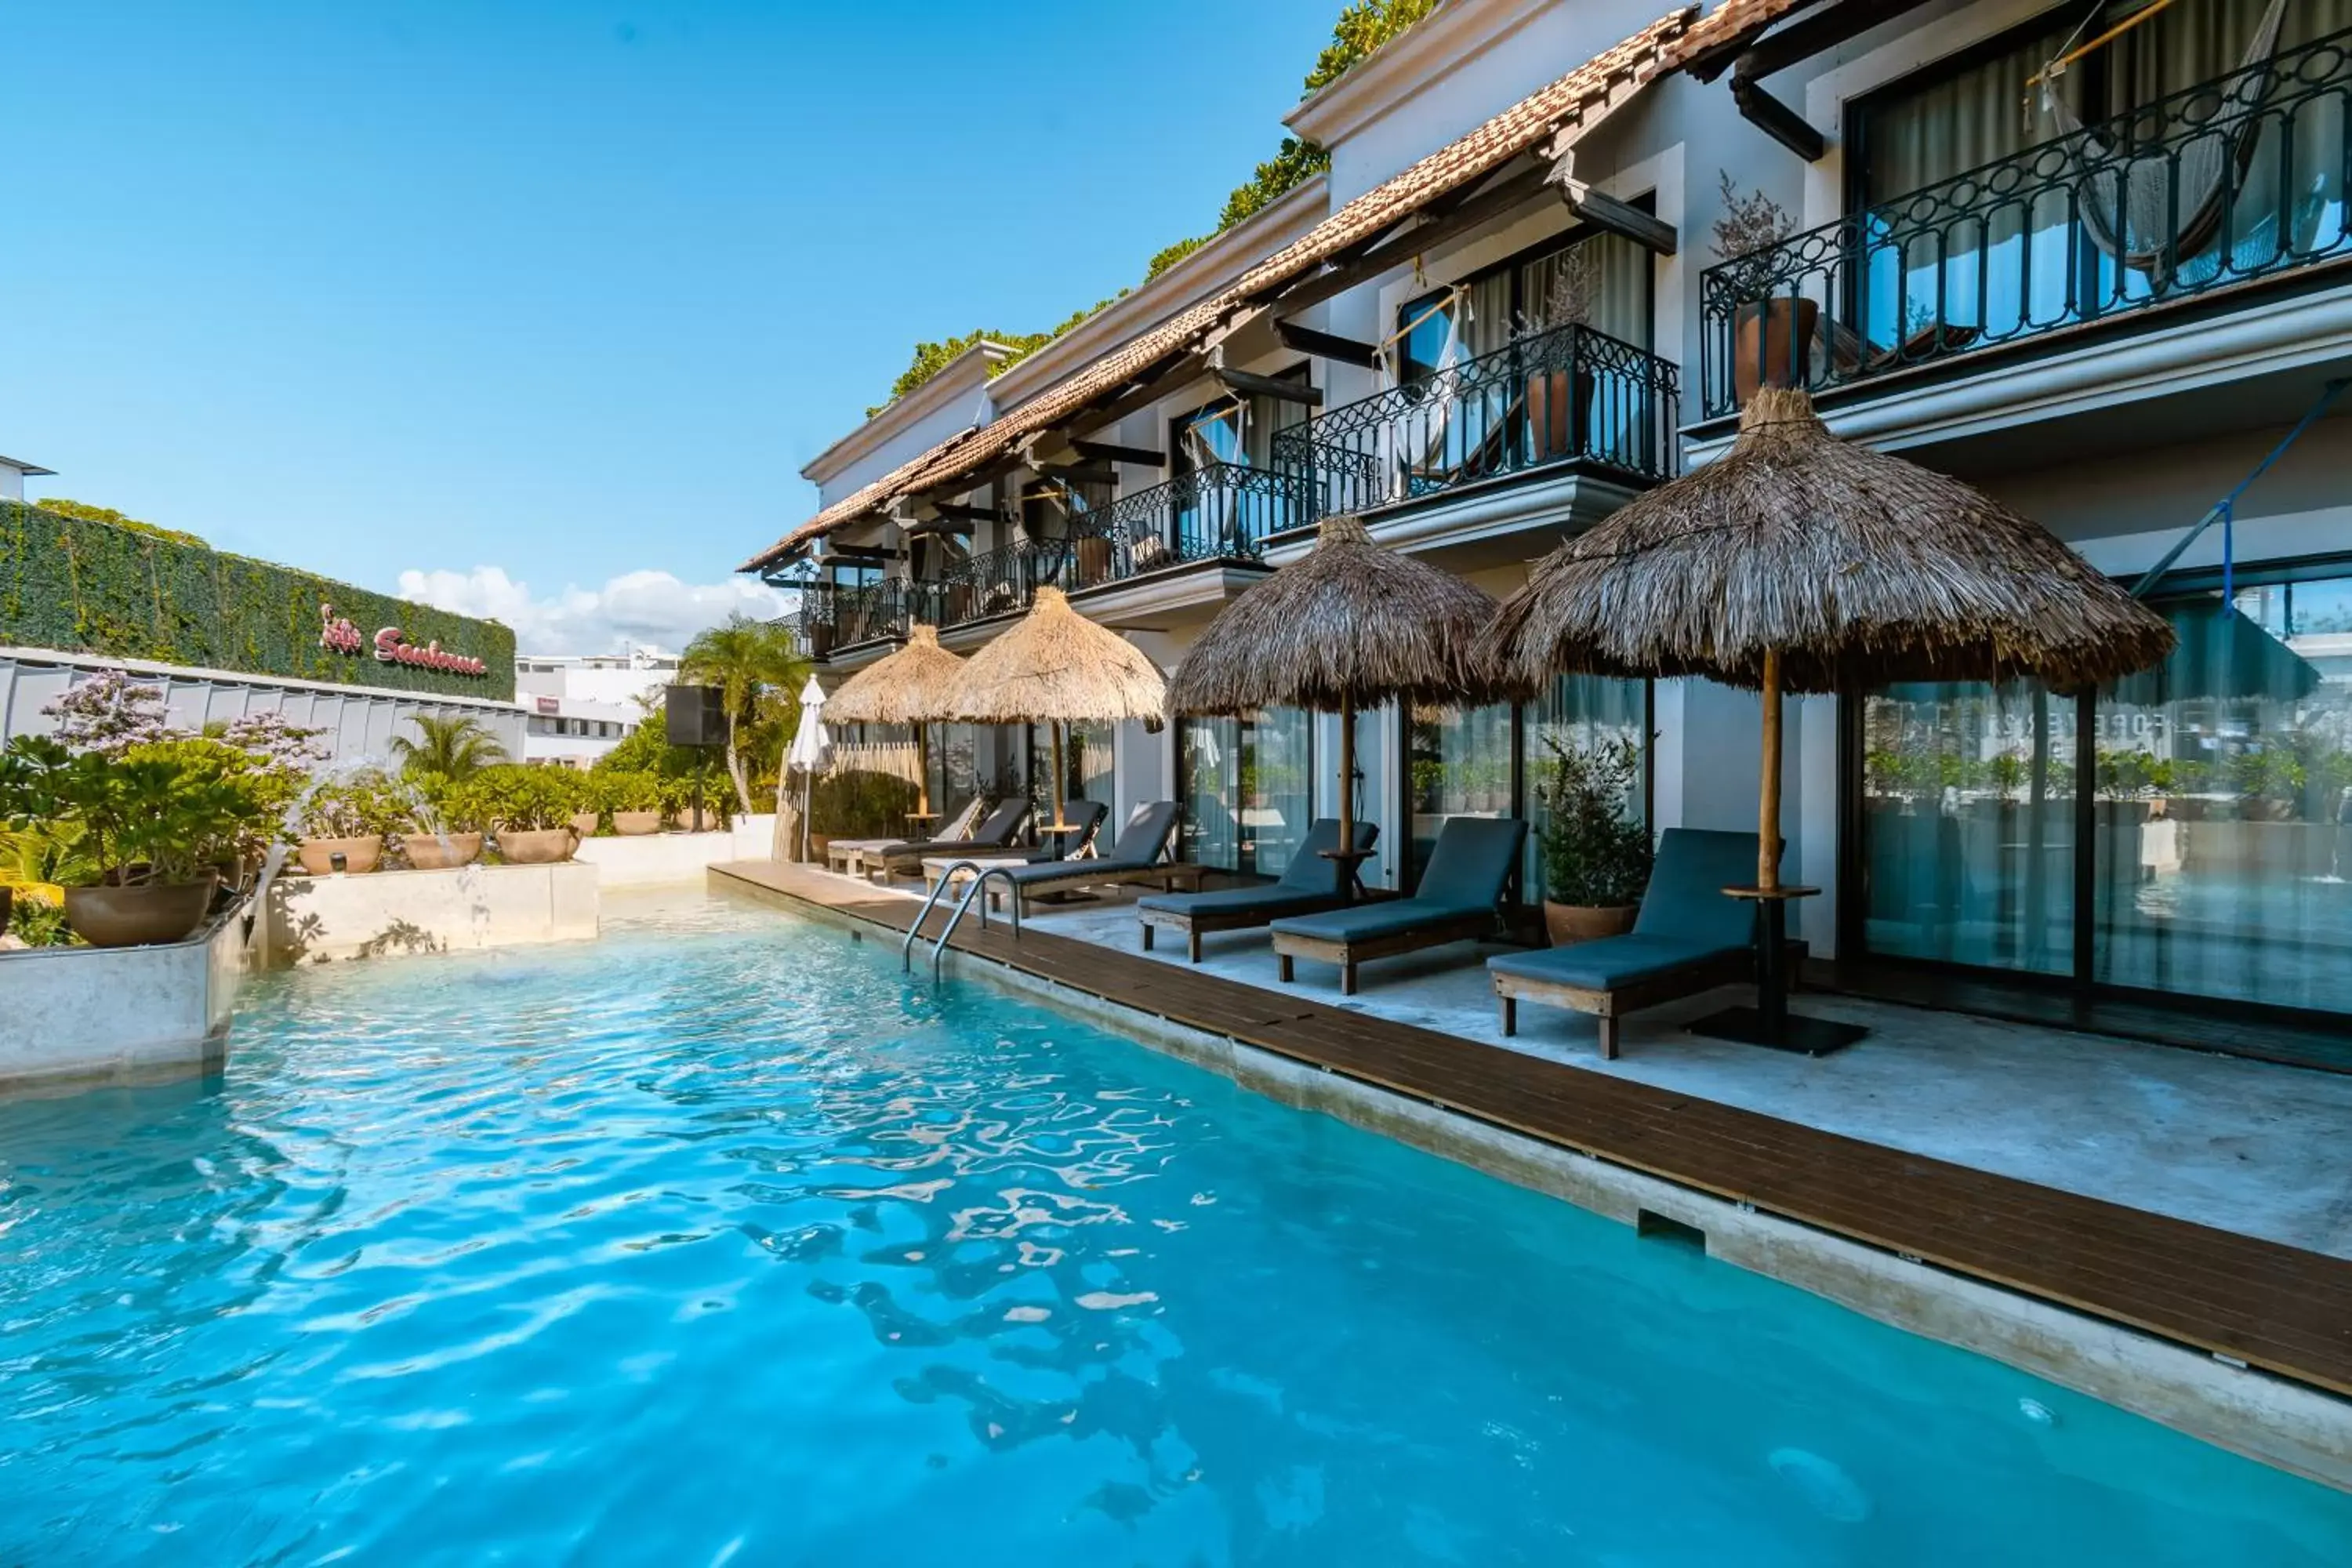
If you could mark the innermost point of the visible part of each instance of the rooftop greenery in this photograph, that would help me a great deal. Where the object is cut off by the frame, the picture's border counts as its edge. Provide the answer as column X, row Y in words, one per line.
column 1360, row 31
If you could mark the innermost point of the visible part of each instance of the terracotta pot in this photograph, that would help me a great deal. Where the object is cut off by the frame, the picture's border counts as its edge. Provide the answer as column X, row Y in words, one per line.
column 820, row 845
column 536, row 845
column 318, row 855
column 636, row 822
column 440, row 851
column 1557, row 407
column 1568, row 924
column 135, row 917
column 585, row 823
column 1094, row 561
column 1774, row 347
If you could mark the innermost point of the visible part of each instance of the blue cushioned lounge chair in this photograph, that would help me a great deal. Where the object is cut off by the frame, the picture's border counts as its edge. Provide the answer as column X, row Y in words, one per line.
column 996, row 831
column 1085, row 818
column 1468, row 870
column 1310, row 884
column 1134, row 856
column 1688, row 938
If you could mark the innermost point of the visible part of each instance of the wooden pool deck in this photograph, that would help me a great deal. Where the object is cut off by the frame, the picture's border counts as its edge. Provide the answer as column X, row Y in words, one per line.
column 2281, row 1308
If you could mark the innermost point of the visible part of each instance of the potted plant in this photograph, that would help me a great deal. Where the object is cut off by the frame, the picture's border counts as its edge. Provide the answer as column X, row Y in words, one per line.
column 1772, row 333
column 344, row 823
column 443, row 830
column 275, row 786
column 1561, row 385
column 634, row 799
column 151, row 832
column 528, row 811
column 1596, row 858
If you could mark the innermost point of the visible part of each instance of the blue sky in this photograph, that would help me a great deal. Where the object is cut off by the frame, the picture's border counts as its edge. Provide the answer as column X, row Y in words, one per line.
column 567, row 291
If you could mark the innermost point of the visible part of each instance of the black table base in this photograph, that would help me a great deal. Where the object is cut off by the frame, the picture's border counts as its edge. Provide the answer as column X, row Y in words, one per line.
column 1770, row 1023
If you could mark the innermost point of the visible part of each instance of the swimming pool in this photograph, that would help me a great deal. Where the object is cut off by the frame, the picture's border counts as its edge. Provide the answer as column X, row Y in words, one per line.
column 718, row 1240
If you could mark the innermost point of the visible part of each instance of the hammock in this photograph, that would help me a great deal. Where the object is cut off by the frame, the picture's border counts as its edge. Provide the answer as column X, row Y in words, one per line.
column 2172, row 204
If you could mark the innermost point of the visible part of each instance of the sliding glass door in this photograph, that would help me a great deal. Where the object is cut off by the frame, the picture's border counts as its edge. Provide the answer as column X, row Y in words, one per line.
column 2225, row 805
column 2209, row 852
column 1248, row 785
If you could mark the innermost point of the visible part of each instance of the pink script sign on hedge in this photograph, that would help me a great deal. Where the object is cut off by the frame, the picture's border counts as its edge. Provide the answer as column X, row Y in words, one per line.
column 338, row 634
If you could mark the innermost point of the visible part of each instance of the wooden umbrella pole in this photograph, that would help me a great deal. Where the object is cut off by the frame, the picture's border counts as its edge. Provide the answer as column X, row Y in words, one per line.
column 922, row 773
column 1346, row 795
column 1768, row 813
column 1056, row 727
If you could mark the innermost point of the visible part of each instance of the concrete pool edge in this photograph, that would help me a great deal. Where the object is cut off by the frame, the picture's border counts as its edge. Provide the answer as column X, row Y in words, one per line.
column 2273, row 1420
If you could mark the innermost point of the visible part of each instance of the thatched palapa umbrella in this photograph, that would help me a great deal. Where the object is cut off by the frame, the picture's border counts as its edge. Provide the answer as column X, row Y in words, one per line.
column 1798, row 562
column 915, row 686
column 1350, row 624
column 1056, row 668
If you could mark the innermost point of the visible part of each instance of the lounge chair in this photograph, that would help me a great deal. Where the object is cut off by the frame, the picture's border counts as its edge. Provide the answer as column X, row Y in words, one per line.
column 1311, row 883
column 1134, row 856
column 1688, row 938
column 1000, row 828
column 1457, row 901
column 845, row 854
column 1072, row 843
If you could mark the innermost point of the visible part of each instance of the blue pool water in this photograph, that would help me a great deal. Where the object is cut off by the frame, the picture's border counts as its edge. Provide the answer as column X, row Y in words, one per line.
column 719, row 1241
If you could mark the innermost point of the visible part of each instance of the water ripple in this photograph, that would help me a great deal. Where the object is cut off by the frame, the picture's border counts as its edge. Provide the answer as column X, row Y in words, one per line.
column 717, row 1240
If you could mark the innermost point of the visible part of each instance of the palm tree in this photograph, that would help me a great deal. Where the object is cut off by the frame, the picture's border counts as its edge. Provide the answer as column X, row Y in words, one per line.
column 454, row 748
column 758, row 669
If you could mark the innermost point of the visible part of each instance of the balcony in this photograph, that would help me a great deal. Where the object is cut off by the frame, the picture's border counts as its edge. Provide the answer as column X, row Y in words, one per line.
column 1561, row 399
column 2241, row 179
column 1218, row 513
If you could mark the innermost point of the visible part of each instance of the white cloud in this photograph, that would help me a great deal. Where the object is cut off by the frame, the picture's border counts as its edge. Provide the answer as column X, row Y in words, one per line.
column 635, row 607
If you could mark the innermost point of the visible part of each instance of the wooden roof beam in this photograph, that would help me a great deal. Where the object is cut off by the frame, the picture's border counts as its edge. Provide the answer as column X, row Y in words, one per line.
column 1326, row 345
column 1112, row 452
column 1777, row 119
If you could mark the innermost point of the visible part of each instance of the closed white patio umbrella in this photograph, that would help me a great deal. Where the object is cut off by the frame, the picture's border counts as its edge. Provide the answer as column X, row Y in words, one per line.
column 811, row 751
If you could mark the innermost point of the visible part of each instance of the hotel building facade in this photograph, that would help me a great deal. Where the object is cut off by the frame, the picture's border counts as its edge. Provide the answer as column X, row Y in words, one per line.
column 2110, row 296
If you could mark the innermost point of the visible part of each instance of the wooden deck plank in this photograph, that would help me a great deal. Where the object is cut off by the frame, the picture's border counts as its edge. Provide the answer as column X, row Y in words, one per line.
column 2282, row 1308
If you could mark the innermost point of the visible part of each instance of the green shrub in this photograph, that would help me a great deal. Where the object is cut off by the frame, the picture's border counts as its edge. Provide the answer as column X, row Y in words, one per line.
column 1595, row 855
column 137, row 819
column 518, row 796
column 860, row 805
column 366, row 806
column 625, row 791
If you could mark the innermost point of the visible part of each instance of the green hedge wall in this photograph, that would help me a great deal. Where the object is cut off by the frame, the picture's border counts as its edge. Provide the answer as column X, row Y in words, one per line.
column 90, row 587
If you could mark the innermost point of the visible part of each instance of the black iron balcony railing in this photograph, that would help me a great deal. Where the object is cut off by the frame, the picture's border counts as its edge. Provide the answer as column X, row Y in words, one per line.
column 873, row 611
column 2244, row 176
column 1217, row 512
column 813, row 618
column 1568, row 395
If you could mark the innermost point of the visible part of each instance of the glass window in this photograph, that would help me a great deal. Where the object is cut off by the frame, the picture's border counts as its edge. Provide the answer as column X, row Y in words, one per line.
column 2224, row 804
column 1088, row 772
column 1460, row 766
column 1577, row 710
column 1968, row 825
column 1248, row 790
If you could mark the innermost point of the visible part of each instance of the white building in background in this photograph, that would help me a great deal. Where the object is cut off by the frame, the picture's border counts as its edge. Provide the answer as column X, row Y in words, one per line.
column 580, row 706
column 14, row 471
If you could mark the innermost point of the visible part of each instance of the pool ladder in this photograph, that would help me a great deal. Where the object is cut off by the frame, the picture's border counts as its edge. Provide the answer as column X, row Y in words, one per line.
column 978, row 880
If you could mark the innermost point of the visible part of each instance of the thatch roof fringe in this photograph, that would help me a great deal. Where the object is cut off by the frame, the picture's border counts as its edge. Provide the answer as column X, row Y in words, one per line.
column 1055, row 665
column 1351, row 621
column 1861, row 568
column 916, row 685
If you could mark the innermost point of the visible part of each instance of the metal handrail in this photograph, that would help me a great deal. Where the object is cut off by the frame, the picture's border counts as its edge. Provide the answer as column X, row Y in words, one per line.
column 979, row 879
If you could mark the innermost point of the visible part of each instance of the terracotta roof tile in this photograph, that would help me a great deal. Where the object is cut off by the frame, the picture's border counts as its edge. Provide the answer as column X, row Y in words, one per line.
column 1580, row 98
